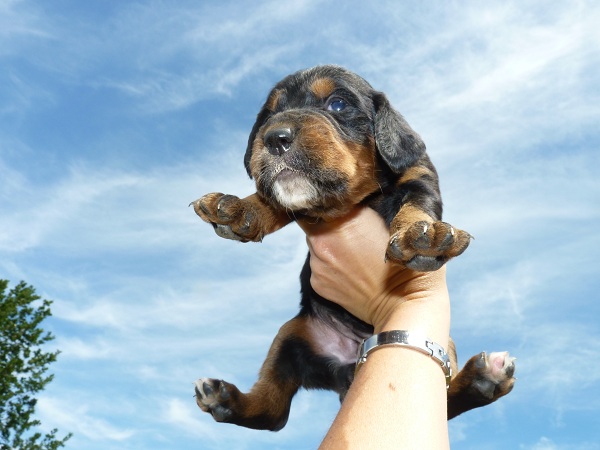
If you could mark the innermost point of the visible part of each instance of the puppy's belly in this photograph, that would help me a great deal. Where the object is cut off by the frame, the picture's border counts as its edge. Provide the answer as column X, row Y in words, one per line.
column 330, row 342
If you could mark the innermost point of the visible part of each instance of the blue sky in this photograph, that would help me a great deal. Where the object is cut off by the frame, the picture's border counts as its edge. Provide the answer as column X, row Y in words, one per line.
column 115, row 115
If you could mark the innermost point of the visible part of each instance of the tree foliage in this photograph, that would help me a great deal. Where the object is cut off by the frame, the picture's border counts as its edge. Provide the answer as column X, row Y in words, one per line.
column 23, row 367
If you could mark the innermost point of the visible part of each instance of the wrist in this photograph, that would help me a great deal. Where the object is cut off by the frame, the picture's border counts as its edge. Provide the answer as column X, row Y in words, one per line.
column 425, row 309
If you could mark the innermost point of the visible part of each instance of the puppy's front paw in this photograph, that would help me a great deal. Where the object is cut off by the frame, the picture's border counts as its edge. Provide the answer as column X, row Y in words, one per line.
column 232, row 217
column 216, row 397
column 426, row 246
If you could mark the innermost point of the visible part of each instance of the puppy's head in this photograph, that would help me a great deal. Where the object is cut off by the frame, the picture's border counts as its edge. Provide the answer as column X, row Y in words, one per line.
column 322, row 140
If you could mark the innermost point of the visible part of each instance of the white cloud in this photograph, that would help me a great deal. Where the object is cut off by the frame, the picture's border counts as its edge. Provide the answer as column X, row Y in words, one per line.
column 555, row 355
column 20, row 22
column 40, row 212
column 185, row 417
column 80, row 421
column 102, row 207
column 77, row 348
column 169, row 56
column 490, row 76
column 545, row 443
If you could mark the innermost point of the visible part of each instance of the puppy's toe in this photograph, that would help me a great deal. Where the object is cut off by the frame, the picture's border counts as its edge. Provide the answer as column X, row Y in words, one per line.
column 215, row 396
column 231, row 217
column 206, row 206
column 427, row 246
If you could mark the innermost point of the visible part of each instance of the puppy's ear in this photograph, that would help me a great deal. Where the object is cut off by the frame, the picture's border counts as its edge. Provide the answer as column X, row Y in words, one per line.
column 261, row 118
column 398, row 144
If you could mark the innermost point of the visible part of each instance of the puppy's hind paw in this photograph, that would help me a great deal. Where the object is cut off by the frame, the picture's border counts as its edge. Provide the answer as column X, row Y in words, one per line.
column 216, row 397
column 494, row 374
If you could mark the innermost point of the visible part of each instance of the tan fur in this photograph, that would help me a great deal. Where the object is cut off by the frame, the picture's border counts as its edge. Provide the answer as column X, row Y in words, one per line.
column 322, row 87
column 414, row 173
column 273, row 100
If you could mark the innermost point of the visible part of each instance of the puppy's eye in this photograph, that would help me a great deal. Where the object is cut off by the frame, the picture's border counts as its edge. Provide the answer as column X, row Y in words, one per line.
column 336, row 104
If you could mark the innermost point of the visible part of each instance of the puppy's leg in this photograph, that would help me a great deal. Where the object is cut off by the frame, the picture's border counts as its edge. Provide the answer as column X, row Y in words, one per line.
column 267, row 405
column 290, row 364
column 483, row 380
column 419, row 240
column 247, row 219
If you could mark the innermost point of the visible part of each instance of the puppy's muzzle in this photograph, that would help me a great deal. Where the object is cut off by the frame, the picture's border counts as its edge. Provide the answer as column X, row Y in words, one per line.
column 279, row 140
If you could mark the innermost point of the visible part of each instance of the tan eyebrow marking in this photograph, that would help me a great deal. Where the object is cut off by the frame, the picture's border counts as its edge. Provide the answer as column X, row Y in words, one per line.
column 273, row 99
column 322, row 87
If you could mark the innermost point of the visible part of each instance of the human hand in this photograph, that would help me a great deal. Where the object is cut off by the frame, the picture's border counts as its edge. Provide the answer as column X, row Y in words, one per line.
column 348, row 268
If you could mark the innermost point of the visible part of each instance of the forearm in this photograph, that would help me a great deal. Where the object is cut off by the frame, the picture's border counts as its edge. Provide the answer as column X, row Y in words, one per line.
column 398, row 399
column 399, row 394
column 381, row 412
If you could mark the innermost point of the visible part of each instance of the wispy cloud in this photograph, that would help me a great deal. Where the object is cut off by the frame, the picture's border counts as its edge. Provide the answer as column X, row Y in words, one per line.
column 501, row 75
column 166, row 55
column 545, row 443
column 20, row 23
column 85, row 423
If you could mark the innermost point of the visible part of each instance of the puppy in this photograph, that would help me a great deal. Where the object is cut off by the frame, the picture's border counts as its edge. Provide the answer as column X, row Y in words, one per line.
column 323, row 142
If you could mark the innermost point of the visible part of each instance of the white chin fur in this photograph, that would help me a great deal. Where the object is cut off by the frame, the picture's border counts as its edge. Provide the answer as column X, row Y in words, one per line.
column 295, row 194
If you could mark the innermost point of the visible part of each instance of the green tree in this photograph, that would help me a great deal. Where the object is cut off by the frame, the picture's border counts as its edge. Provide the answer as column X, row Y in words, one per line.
column 23, row 366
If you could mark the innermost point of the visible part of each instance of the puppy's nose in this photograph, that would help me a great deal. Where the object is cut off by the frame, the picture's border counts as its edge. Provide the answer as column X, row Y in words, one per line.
column 279, row 140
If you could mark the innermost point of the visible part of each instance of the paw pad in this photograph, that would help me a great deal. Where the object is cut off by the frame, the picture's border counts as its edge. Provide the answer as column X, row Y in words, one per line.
column 494, row 376
column 214, row 396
